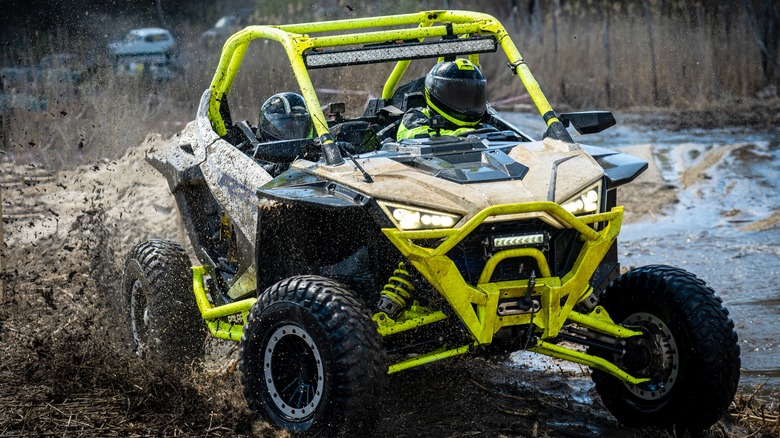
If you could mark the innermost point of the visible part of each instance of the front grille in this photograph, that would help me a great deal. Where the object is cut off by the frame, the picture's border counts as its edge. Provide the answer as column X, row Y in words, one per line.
column 471, row 254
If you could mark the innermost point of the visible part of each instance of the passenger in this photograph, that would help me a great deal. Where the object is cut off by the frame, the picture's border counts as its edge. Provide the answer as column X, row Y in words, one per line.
column 284, row 116
column 457, row 91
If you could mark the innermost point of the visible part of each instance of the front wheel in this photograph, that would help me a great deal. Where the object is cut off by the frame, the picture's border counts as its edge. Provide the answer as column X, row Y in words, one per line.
column 311, row 359
column 689, row 351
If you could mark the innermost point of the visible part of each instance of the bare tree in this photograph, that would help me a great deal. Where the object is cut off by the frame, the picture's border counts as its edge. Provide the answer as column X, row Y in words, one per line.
column 535, row 18
column 607, row 57
column 765, row 35
column 651, row 42
column 160, row 15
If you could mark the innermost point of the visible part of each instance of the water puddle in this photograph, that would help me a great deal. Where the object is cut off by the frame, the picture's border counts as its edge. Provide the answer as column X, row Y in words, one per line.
column 725, row 227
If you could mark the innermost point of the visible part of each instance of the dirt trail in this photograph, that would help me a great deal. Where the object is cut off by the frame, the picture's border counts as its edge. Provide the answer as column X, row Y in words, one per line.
column 65, row 368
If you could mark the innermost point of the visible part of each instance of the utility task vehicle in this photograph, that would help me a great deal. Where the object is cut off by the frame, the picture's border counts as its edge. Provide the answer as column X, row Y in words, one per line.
column 341, row 259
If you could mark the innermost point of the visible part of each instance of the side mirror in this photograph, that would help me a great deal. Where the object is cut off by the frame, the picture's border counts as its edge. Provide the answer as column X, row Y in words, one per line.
column 588, row 122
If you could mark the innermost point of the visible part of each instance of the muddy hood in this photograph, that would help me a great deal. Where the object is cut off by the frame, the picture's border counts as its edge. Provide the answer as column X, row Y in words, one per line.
column 551, row 171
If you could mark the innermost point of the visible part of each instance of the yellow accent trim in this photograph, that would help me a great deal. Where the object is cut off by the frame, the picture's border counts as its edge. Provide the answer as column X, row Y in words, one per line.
column 213, row 315
column 464, row 64
column 599, row 320
column 490, row 266
column 397, row 74
column 427, row 358
column 386, row 326
column 474, row 58
column 522, row 71
column 586, row 359
column 395, row 77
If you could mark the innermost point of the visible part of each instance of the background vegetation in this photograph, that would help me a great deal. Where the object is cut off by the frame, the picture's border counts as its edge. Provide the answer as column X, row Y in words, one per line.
column 585, row 54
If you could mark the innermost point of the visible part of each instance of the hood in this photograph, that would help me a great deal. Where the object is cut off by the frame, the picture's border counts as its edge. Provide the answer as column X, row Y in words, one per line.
column 547, row 170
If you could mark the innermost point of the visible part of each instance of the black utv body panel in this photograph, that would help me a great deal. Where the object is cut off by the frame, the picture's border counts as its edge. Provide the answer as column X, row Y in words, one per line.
column 589, row 122
column 336, row 233
column 620, row 168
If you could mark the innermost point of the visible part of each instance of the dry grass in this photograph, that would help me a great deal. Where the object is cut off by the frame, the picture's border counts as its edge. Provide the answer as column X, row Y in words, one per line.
column 756, row 415
column 583, row 59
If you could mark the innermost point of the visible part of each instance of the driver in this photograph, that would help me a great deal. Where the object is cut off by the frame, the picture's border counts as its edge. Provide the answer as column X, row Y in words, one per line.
column 455, row 90
column 284, row 116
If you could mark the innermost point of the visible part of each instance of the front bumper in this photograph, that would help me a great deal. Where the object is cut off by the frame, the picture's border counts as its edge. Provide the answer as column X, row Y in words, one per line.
column 477, row 304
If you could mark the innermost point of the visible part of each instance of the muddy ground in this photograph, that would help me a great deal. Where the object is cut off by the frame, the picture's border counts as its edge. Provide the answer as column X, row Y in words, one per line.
column 65, row 369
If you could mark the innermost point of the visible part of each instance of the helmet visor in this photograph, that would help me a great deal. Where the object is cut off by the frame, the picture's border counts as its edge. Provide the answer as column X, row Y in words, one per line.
column 463, row 99
column 287, row 126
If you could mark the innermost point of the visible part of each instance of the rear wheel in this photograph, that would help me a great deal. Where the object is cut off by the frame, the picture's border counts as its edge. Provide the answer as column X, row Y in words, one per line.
column 164, row 320
column 312, row 360
column 689, row 351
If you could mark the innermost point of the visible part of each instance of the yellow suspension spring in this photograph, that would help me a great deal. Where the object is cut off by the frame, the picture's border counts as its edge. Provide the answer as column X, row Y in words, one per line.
column 397, row 292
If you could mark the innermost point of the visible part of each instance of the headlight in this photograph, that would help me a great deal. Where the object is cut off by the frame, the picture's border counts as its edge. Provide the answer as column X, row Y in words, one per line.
column 413, row 218
column 588, row 201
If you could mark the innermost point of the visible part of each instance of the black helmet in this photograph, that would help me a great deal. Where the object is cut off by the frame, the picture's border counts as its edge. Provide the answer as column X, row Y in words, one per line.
column 284, row 117
column 458, row 91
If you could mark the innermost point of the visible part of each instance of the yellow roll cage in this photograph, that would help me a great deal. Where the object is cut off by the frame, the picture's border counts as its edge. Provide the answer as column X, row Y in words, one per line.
column 301, row 39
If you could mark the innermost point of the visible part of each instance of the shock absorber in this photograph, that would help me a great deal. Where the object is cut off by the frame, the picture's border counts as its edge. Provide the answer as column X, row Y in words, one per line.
column 397, row 292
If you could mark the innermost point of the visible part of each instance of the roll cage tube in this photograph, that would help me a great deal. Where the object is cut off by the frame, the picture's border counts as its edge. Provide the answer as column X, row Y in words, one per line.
column 298, row 39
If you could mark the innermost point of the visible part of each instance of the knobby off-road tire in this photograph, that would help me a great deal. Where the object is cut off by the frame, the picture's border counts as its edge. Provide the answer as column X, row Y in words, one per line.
column 692, row 356
column 311, row 359
column 164, row 321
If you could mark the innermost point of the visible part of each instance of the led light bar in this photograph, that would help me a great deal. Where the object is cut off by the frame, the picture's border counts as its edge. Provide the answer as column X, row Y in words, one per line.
column 400, row 51
column 519, row 240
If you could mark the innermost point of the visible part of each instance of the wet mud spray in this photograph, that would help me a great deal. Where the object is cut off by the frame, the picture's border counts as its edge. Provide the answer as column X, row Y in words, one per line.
column 708, row 204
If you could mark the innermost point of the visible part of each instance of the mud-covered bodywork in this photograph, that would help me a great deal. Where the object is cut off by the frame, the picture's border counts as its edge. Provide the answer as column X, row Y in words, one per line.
column 487, row 241
column 252, row 225
column 336, row 209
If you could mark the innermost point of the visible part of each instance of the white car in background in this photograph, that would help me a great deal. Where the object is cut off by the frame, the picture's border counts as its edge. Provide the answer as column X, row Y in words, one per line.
column 146, row 42
column 225, row 26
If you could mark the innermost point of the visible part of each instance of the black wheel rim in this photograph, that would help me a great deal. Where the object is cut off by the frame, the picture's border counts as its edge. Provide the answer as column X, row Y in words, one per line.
column 293, row 372
column 660, row 361
column 139, row 317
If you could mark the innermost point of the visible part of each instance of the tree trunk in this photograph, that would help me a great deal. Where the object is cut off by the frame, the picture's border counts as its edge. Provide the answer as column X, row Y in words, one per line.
column 766, row 37
column 160, row 15
column 607, row 59
column 651, row 42
column 535, row 19
column 769, row 32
